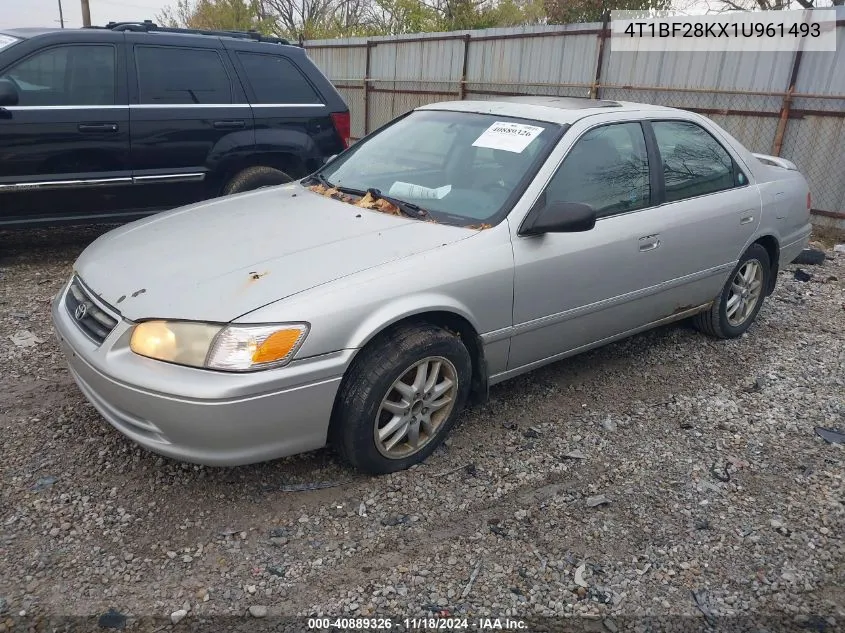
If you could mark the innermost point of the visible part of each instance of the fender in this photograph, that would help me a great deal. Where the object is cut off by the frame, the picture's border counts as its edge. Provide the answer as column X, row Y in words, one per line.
column 403, row 308
column 288, row 140
column 236, row 144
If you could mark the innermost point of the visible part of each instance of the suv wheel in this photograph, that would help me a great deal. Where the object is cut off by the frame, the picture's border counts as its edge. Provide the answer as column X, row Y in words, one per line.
column 400, row 398
column 255, row 178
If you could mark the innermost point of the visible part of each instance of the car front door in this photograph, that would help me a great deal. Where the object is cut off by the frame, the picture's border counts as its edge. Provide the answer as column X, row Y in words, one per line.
column 64, row 147
column 575, row 290
column 188, row 113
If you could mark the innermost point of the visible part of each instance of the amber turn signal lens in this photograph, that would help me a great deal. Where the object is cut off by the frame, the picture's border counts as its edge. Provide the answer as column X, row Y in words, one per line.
column 276, row 346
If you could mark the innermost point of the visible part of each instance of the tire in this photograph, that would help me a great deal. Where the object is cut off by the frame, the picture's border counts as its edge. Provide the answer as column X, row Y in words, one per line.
column 370, row 382
column 254, row 178
column 715, row 321
column 810, row 257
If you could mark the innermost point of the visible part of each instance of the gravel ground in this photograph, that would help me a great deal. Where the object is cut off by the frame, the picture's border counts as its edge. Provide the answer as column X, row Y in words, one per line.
column 665, row 475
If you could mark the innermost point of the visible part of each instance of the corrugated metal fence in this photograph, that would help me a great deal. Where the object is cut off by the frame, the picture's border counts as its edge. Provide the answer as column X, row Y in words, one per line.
column 789, row 103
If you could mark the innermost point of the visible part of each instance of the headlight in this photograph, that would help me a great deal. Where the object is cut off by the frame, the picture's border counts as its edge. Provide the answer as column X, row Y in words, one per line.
column 230, row 348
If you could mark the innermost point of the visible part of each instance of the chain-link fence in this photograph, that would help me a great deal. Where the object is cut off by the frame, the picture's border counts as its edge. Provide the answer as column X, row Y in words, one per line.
column 781, row 103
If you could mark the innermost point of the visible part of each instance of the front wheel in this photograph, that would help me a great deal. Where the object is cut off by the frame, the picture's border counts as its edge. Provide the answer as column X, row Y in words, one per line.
column 736, row 307
column 400, row 397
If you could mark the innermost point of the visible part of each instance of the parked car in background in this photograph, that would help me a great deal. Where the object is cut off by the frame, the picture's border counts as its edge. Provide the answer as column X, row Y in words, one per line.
column 461, row 245
column 110, row 124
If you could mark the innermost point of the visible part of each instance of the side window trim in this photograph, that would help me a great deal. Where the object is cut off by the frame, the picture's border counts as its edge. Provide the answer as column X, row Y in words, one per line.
column 118, row 93
column 655, row 166
column 223, row 65
column 736, row 168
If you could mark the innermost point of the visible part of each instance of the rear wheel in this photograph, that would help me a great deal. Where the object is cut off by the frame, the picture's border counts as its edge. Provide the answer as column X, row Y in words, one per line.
column 735, row 309
column 400, row 397
column 254, row 178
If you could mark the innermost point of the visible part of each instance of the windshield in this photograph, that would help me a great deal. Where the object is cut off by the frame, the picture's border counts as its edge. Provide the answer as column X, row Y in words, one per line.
column 7, row 40
column 461, row 167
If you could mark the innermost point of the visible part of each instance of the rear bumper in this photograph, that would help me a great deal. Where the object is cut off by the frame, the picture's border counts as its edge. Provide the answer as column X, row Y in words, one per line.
column 201, row 416
column 797, row 243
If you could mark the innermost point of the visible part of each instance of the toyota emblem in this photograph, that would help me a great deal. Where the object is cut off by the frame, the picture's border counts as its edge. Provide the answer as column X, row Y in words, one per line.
column 80, row 312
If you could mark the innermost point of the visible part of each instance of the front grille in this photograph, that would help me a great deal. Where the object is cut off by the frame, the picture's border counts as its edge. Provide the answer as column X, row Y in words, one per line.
column 91, row 319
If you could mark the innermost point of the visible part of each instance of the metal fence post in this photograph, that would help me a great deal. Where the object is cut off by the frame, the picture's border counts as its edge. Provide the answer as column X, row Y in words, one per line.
column 787, row 101
column 367, row 90
column 595, row 88
column 463, row 90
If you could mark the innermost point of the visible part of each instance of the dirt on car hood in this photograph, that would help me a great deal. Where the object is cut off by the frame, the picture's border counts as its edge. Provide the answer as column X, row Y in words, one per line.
column 220, row 259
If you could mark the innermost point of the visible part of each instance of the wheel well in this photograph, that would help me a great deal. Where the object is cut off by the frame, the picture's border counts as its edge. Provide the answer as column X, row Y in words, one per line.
column 773, row 249
column 462, row 328
column 291, row 164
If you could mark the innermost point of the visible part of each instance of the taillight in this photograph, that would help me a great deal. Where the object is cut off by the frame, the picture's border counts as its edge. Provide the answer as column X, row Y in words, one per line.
column 343, row 125
column 809, row 201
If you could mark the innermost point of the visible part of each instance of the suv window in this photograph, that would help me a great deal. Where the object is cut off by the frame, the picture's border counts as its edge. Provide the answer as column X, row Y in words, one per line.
column 274, row 79
column 171, row 75
column 607, row 168
column 75, row 75
column 694, row 163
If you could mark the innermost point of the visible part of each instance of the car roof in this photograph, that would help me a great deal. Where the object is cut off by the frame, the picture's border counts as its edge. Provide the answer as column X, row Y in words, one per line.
column 98, row 31
column 561, row 110
column 27, row 32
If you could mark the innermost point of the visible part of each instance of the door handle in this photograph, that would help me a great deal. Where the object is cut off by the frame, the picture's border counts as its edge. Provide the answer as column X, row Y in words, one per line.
column 229, row 125
column 649, row 243
column 98, row 127
column 746, row 219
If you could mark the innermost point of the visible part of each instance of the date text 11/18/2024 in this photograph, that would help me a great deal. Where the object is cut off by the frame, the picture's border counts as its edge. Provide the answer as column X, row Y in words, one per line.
column 416, row 624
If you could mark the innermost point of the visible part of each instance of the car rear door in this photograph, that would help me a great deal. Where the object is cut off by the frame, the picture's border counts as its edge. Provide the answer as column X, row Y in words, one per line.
column 64, row 148
column 188, row 113
column 708, row 195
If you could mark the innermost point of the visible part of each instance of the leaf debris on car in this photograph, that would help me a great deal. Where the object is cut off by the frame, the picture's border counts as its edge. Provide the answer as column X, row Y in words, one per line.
column 368, row 201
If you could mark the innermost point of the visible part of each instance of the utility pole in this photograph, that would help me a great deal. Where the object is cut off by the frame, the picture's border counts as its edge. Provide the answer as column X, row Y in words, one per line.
column 86, row 13
column 61, row 15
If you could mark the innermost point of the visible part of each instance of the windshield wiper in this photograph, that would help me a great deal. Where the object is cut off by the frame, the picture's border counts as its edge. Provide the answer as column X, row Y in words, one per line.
column 320, row 178
column 407, row 208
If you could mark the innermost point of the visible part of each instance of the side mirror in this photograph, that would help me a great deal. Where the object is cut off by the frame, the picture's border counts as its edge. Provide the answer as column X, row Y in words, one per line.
column 9, row 95
column 562, row 217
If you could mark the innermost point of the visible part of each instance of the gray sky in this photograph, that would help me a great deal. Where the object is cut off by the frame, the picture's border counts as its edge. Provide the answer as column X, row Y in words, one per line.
column 20, row 13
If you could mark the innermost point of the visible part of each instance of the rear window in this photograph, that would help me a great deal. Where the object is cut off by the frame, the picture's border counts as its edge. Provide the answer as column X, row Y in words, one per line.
column 275, row 79
column 168, row 75
column 7, row 40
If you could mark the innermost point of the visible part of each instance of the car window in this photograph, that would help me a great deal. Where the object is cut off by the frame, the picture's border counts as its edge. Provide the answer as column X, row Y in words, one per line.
column 275, row 79
column 607, row 168
column 171, row 75
column 462, row 166
column 78, row 75
column 694, row 163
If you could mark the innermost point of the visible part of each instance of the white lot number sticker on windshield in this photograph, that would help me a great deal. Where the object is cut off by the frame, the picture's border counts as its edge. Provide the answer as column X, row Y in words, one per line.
column 511, row 137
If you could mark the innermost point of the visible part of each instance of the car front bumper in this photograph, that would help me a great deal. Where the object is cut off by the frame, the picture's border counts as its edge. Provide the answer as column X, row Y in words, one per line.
column 201, row 416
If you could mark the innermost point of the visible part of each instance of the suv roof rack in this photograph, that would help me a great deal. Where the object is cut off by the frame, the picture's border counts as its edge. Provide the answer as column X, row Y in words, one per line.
column 148, row 26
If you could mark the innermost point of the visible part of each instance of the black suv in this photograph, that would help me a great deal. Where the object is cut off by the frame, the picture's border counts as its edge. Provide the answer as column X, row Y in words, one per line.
column 108, row 124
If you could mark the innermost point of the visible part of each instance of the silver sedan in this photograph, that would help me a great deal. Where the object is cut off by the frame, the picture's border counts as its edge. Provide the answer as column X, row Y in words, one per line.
column 461, row 245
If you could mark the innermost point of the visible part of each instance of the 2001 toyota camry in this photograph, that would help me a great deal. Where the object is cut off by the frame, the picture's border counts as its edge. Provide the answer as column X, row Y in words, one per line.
column 460, row 245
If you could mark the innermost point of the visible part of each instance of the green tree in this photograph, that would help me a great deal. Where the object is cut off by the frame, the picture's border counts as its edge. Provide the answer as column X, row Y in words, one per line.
column 229, row 15
column 569, row 11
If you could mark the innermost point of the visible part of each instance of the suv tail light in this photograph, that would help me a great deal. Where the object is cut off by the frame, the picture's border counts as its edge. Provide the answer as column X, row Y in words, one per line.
column 809, row 201
column 343, row 125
